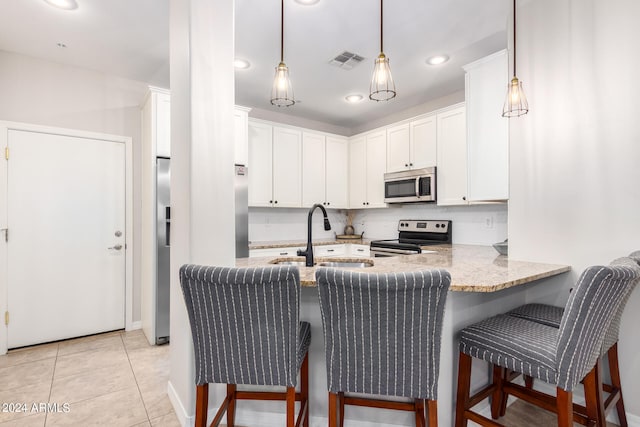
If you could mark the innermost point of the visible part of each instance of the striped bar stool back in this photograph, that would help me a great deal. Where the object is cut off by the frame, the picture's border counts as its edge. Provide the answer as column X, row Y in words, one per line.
column 245, row 328
column 382, row 337
column 561, row 356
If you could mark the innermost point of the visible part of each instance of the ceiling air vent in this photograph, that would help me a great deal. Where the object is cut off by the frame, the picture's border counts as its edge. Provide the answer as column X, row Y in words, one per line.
column 346, row 60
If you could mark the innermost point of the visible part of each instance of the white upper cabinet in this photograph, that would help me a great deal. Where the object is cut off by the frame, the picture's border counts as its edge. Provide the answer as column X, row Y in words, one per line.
column 240, row 122
column 367, row 166
column 424, row 142
column 313, row 166
column 452, row 157
column 337, row 175
column 287, row 168
column 398, row 148
column 260, row 164
column 412, row 145
column 487, row 130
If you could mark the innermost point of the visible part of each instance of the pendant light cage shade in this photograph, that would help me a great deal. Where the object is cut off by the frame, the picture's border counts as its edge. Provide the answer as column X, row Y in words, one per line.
column 382, row 86
column 282, row 91
column 515, row 103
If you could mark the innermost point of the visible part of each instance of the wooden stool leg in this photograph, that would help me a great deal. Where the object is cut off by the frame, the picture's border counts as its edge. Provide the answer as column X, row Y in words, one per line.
column 565, row 408
column 341, row 409
column 291, row 406
column 505, row 397
column 419, row 412
column 231, row 409
column 594, row 395
column 496, row 396
column 304, row 389
column 614, row 370
column 202, row 403
column 528, row 382
column 464, row 385
column 432, row 407
column 333, row 407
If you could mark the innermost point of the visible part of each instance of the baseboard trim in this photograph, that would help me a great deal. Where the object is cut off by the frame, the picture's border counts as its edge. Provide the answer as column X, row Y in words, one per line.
column 183, row 417
column 134, row 326
column 633, row 420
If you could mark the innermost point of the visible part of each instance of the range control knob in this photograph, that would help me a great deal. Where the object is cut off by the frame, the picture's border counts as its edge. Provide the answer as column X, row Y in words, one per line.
column 437, row 225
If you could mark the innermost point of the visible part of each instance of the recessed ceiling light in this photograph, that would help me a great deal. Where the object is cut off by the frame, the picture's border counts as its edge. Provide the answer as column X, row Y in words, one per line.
column 437, row 59
column 63, row 4
column 241, row 64
column 61, row 45
column 353, row 98
column 307, row 2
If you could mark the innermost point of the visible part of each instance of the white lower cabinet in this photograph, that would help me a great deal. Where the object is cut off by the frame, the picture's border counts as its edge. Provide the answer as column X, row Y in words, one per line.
column 329, row 250
column 358, row 250
column 275, row 252
column 337, row 250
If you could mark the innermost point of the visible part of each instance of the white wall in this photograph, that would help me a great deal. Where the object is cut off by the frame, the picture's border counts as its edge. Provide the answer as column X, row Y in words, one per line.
column 469, row 222
column 575, row 158
column 46, row 93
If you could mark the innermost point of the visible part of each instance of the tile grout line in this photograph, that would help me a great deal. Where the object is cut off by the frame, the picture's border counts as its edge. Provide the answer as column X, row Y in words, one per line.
column 53, row 374
column 135, row 378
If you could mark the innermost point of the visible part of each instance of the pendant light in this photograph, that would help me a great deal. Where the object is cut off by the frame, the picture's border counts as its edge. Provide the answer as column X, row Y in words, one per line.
column 282, row 91
column 515, row 104
column 382, row 87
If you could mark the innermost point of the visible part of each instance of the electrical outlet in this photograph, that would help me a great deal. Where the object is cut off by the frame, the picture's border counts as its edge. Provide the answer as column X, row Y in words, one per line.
column 488, row 222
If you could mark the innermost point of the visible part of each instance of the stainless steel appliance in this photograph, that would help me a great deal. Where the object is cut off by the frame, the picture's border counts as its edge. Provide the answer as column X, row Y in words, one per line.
column 163, row 228
column 417, row 185
column 242, row 211
column 413, row 234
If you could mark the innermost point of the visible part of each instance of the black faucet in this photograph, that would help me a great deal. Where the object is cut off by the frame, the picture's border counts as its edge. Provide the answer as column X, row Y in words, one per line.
column 308, row 254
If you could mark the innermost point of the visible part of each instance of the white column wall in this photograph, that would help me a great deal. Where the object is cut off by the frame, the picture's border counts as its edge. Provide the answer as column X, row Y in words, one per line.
column 202, row 99
column 575, row 158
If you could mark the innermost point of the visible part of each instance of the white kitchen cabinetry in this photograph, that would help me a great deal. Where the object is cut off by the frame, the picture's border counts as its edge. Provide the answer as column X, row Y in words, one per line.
column 276, row 252
column 275, row 159
column 329, row 250
column 452, row 157
column 412, row 145
column 325, row 163
column 358, row 250
column 487, row 130
column 240, row 122
column 367, row 166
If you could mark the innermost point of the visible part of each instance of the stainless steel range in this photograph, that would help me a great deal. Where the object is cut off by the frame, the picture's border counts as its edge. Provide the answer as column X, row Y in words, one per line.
column 413, row 234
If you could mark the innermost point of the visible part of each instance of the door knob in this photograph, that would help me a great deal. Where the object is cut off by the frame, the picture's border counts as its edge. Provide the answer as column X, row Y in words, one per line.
column 116, row 247
column 118, row 233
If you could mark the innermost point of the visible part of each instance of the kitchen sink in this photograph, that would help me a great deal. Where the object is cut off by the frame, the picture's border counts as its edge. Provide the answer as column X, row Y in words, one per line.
column 346, row 264
column 288, row 262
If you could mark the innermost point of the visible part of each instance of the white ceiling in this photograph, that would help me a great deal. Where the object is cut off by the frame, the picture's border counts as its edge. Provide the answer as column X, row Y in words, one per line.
column 129, row 38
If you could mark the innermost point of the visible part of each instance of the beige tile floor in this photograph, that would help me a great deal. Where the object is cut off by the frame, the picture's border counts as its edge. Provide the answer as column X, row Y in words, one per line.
column 114, row 379
column 118, row 380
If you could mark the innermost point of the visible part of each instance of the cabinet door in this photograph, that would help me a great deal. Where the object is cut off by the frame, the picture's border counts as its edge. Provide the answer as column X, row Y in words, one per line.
column 240, row 137
column 287, row 168
column 452, row 158
column 358, row 173
column 163, row 125
column 313, row 167
column 337, row 167
column 398, row 151
column 487, row 130
column 260, row 159
column 376, row 168
column 424, row 143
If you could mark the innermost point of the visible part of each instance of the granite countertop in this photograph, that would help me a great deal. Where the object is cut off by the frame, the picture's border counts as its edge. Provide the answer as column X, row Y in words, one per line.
column 303, row 243
column 473, row 268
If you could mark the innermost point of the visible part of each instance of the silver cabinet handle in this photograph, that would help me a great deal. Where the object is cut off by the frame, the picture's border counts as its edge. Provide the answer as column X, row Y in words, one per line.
column 116, row 247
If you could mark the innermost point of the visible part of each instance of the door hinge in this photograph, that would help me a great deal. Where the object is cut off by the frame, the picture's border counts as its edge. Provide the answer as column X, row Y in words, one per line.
column 6, row 318
column 6, row 153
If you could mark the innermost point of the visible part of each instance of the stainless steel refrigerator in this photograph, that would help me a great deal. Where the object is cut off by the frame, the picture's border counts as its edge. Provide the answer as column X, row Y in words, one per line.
column 163, row 227
column 242, row 211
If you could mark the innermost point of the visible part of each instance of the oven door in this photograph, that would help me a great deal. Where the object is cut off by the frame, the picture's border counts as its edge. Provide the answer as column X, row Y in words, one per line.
column 387, row 252
column 408, row 187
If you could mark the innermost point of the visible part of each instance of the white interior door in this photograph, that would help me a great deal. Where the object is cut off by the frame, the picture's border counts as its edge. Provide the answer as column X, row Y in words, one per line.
column 66, row 250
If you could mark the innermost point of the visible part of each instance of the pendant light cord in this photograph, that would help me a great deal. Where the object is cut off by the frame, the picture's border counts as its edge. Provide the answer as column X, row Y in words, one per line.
column 282, row 32
column 381, row 18
column 514, row 38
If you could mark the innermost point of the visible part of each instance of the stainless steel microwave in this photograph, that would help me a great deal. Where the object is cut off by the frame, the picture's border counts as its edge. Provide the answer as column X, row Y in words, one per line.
column 417, row 185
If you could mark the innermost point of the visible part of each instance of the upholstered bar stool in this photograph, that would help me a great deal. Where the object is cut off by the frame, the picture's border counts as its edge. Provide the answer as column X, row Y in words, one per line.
column 245, row 328
column 552, row 316
column 561, row 356
column 382, row 337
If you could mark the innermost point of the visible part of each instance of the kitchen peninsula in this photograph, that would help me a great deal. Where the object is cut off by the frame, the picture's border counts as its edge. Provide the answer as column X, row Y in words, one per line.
column 483, row 284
